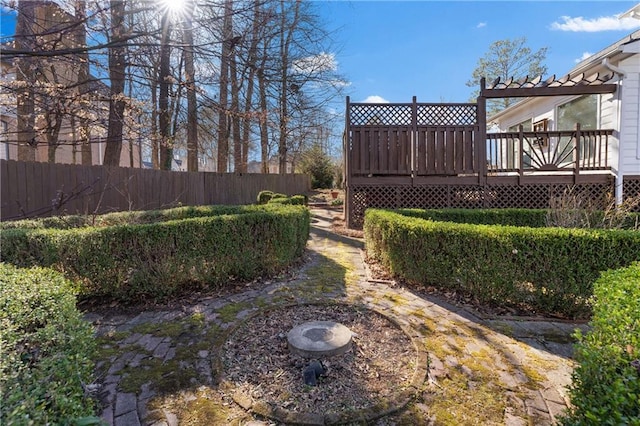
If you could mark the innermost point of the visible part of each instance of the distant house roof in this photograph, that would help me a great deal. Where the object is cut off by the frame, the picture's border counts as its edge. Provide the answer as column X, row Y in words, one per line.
column 634, row 12
column 585, row 65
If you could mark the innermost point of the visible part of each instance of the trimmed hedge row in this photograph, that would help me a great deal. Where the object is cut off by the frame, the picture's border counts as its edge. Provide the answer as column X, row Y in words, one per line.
column 508, row 217
column 534, row 218
column 156, row 260
column 130, row 217
column 45, row 349
column 551, row 270
column 606, row 384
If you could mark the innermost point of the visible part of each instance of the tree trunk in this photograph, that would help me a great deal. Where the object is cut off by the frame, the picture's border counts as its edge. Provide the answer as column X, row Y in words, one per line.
column 192, row 102
column 25, row 108
column 163, row 101
column 252, row 64
column 52, row 133
column 286, row 36
column 223, row 119
column 264, row 114
column 117, row 69
column 155, row 142
column 238, row 167
column 83, row 85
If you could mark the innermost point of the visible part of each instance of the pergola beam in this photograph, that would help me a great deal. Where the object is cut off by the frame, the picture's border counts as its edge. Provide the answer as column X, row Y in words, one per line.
column 527, row 92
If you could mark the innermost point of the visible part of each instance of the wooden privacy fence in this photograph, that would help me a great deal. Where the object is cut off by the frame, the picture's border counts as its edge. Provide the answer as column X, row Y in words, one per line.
column 31, row 189
column 413, row 139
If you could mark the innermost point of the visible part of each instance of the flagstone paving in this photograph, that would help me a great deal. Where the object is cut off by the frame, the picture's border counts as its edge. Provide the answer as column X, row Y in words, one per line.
column 146, row 356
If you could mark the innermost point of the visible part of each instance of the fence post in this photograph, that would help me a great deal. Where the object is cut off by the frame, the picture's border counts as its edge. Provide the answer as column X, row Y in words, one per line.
column 414, row 137
column 521, row 151
column 576, row 166
column 481, row 135
column 346, row 149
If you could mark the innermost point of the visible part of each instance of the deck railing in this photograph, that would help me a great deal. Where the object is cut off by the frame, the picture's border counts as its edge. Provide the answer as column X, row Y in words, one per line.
column 433, row 143
column 548, row 151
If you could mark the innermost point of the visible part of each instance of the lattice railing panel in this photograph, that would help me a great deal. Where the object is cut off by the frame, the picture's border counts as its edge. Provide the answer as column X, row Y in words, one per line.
column 447, row 114
column 401, row 114
column 534, row 196
column 380, row 114
column 631, row 188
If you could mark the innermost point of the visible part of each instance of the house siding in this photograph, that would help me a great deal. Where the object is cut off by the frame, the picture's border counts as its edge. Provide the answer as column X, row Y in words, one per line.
column 630, row 116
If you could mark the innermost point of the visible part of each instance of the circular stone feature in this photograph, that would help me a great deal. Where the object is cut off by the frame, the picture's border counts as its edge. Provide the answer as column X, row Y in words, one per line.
column 319, row 339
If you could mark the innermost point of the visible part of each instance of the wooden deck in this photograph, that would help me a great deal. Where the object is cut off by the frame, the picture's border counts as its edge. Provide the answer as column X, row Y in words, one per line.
column 439, row 155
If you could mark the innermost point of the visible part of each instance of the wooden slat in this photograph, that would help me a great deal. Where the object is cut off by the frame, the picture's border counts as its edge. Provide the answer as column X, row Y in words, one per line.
column 422, row 152
column 449, row 151
column 394, row 141
column 431, row 151
column 7, row 208
column 468, row 151
column 459, row 151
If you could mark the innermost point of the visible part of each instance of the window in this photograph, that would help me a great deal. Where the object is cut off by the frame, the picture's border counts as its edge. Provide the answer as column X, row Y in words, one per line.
column 541, row 126
column 526, row 126
column 583, row 110
column 513, row 145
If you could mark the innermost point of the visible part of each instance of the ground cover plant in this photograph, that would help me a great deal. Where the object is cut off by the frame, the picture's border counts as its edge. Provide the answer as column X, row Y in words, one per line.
column 164, row 253
column 45, row 349
column 548, row 270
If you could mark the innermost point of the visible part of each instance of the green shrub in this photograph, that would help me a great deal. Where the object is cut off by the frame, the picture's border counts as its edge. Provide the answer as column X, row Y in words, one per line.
column 128, row 217
column 510, row 217
column 264, row 197
column 316, row 163
column 156, row 260
column 285, row 201
column 550, row 270
column 606, row 384
column 45, row 349
column 299, row 200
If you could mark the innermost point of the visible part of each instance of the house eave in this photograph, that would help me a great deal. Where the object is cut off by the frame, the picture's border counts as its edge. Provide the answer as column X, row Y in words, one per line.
column 627, row 46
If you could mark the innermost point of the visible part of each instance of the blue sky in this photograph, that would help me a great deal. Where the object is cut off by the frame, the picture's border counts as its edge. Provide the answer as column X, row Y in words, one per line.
column 394, row 50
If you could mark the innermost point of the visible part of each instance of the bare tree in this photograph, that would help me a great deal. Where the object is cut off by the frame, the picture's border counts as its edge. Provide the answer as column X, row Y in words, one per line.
column 83, row 83
column 164, row 83
column 192, row 102
column 117, row 71
column 25, row 75
column 223, row 115
column 225, row 71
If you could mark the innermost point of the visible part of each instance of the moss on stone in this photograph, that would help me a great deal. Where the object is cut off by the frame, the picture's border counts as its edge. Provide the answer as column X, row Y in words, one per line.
column 165, row 377
column 229, row 313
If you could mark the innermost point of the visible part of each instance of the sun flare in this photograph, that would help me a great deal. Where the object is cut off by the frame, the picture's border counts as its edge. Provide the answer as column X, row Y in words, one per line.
column 174, row 7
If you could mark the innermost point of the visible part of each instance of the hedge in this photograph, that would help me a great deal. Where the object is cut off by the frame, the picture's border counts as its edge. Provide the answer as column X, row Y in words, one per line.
column 605, row 389
column 535, row 218
column 156, row 260
column 550, row 270
column 130, row 217
column 45, row 349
